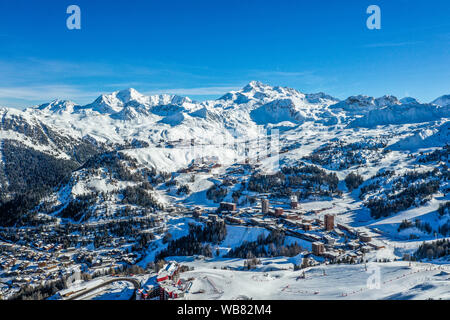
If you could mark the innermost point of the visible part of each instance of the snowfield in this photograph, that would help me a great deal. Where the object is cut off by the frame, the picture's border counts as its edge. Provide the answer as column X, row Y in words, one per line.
column 397, row 280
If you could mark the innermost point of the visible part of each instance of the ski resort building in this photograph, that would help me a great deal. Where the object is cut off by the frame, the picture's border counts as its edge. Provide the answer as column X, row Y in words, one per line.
column 364, row 237
column 307, row 226
column 317, row 248
column 278, row 212
column 329, row 222
column 169, row 272
column 265, row 206
column 234, row 220
column 227, row 206
column 348, row 229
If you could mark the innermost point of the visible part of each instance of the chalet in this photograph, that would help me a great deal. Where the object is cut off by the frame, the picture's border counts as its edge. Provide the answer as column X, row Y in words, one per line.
column 64, row 258
column 52, row 268
column 317, row 248
column 290, row 215
column 350, row 230
column 48, row 247
column 353, row 245
column 364, row 237
column 330, row 255
column 338, row 232
column 293, row 223
column 312, row 237
column 234, row 220
column 329, row 240
column 213, row 217
column 169, row 272
column 278, row 212
column 256, row 222
column 171, row 291
column 227, row 206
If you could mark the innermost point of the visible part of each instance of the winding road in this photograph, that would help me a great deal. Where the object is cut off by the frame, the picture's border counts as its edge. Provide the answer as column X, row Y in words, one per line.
column 133, row 281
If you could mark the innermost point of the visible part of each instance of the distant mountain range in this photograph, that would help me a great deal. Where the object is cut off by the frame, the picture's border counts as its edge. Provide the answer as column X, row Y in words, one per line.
column 108, row 118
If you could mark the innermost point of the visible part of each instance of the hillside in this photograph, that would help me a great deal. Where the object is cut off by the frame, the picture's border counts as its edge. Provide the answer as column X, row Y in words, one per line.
column 122, row 178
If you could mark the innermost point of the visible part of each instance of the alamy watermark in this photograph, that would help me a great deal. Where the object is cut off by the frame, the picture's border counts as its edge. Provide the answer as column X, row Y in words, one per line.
column 374, row 280
column 262, row 147
column 374, row 20
column 73, row 22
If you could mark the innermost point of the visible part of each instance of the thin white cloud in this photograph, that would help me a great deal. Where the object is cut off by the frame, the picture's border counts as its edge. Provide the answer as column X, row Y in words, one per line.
column 203, row 91
column 32, row 70
column 391, row 44
column 45, row 93
column 25, row 96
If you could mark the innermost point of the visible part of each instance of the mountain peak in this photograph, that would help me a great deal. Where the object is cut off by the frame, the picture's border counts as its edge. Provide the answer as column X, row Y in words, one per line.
column 114, row 102
column 442, row 100
column 129, row 95
column 387, row 100
column 409, row 100
column 255, row 85
column 57, row 105
column 320, row 97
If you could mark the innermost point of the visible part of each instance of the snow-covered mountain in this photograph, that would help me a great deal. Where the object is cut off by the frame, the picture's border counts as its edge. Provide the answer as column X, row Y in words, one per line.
column 172, row 117
column 157, row 130
column 402, row 114
column 362, row 104
column 442, row 100
column 427, row 137
column 115, row 102
column 120, row 117
column 117, row 178
column 59, row 106
column 409, row 100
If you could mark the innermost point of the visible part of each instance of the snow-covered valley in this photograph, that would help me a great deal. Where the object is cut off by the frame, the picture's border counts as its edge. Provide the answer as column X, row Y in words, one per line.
column 122, row 181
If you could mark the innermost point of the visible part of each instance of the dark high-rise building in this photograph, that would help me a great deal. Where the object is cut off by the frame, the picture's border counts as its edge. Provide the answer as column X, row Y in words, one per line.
column 329, row 222
column 265, row 206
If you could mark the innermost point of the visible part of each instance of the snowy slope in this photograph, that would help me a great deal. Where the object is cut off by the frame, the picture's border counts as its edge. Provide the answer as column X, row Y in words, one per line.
column 428, row 137
column 402, row 114
column 362, row 104
column 134, row 154
column 397, row 281
column 442, row 100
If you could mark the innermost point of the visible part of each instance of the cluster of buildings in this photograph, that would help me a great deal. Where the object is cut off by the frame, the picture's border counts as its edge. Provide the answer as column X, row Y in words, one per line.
column 341, row 242
column 202, row 165
column 166, row 285
column 21, row 265
column 49, row 253
column 330, row 241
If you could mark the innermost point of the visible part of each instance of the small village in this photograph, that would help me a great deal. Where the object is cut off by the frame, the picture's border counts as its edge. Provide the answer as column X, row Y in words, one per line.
column 330, row 241
column 40, row 263
column 47, row 257
column 50, row 254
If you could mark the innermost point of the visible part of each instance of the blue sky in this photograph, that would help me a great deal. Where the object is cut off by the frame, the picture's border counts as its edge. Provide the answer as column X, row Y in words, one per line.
column 205, row 48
